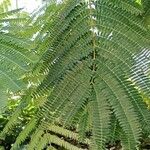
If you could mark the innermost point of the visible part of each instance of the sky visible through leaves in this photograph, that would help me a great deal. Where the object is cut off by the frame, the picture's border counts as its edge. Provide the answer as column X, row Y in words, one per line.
column 28, row 5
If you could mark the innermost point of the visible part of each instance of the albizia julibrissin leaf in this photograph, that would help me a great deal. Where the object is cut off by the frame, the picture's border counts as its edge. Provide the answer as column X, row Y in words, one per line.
column 89, row 62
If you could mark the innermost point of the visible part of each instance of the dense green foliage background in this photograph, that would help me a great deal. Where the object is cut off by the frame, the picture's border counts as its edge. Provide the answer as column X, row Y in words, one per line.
column 75, row 75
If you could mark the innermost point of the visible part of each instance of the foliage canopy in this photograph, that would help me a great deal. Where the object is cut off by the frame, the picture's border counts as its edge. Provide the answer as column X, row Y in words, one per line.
column 91, row 63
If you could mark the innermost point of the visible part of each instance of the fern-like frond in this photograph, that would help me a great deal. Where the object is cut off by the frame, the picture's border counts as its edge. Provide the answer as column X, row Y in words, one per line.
column 35, row 138
column 83, row 125
column 114, row 130
column 100, row 118
column 48, row 139
column 64, row 132
column 69, row 91
column 15, row 53
column 108, row 23
column 24, row 134
column 122, row 106
column 90, row 66
column 52, row 136
column 14, row 120
column 130, row 6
